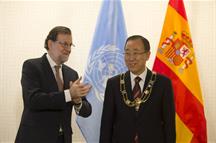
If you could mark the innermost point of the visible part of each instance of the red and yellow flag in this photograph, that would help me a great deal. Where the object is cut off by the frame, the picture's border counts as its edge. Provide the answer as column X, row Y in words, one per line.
column 176, row 59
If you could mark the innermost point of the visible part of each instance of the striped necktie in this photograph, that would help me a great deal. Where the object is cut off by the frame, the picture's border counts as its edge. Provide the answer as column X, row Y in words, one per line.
column 137, row 90
column 136, row 94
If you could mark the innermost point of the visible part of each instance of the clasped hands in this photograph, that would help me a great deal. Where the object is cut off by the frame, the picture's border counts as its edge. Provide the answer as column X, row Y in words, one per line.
column 78, row 90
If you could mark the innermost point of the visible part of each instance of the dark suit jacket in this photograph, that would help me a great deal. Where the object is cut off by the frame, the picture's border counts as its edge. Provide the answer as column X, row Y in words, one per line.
column 154, row 122
column 45, row 107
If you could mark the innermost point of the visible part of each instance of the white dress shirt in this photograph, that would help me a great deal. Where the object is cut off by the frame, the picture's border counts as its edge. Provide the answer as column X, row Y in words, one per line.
column 142, row 81
column 53, row 64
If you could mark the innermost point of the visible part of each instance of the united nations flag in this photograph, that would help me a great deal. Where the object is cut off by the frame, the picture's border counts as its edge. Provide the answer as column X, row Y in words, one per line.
column 105, row 60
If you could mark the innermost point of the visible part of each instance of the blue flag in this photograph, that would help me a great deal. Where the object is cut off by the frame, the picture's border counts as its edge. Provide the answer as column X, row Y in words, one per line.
column 105, row 60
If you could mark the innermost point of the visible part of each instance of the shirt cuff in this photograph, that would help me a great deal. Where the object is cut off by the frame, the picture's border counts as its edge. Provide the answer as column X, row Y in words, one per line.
column 67, row 95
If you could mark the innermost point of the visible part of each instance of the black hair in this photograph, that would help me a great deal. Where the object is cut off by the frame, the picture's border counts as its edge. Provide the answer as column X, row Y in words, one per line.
column 145, row 42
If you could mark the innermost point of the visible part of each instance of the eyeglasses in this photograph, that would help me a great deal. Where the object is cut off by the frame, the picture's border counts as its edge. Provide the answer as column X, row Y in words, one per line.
column 134, row 54
column 65, row 44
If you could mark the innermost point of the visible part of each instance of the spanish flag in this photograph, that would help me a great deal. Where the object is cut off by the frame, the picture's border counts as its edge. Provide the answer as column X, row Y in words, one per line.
column 176, row 59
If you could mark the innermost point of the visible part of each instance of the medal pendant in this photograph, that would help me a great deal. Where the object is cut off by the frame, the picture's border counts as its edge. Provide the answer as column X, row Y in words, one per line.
column 137, row 104
column 137, row 107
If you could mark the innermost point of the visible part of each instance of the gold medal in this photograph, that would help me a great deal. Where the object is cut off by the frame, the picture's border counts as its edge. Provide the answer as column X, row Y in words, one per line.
column 138, row 101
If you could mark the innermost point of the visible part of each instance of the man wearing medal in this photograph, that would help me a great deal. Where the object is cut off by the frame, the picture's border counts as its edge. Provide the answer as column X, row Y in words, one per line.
column 138, row 104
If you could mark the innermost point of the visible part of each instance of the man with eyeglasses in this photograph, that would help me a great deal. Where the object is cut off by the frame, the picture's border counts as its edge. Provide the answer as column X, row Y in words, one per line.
column 50, row 91
column 138, row 104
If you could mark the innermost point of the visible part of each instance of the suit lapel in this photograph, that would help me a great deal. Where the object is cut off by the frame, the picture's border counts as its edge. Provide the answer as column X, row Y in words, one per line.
column 148, row 76
column 66, row 77
column 128, row 85
column 48, row 73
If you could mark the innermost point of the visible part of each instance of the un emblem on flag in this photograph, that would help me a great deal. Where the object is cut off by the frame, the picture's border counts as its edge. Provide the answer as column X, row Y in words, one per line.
column 104, row 62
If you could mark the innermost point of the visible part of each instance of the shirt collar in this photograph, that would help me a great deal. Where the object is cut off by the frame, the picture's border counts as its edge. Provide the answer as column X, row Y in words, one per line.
column 50, row 60
column 142, row 75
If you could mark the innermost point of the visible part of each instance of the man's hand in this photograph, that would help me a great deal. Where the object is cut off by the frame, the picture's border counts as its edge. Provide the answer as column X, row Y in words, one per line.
column 78, row 90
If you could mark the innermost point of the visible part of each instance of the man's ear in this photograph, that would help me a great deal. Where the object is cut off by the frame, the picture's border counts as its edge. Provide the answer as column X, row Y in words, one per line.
column 49, row 44
column 148, row 55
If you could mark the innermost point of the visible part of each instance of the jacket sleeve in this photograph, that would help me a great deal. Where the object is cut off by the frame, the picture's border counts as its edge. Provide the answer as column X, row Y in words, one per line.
column 108, row 115
column 169, row 113
column 86, row 108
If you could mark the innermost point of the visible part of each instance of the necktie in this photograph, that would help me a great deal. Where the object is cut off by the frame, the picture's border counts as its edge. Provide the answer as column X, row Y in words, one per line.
column 137, row 90
column 136, row 94
column 58, row 78
column 60, row 86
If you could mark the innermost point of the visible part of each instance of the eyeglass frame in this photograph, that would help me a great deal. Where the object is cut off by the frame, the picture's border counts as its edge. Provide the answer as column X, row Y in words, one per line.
column 134, row 54
column 65, row 44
